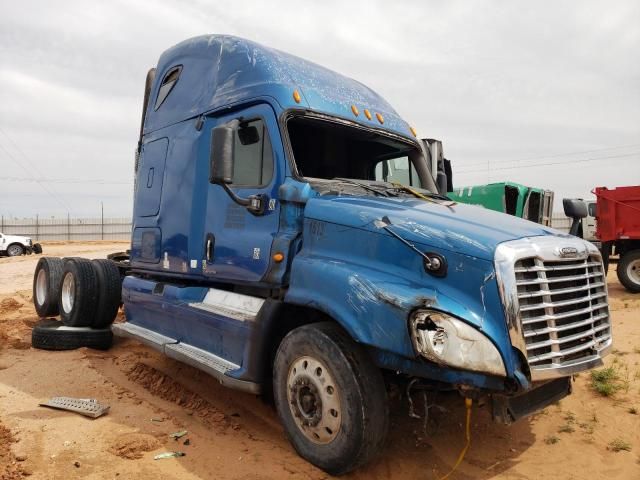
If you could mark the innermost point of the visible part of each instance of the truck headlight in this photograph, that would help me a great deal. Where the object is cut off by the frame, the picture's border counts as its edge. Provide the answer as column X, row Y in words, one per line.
column 446, row 340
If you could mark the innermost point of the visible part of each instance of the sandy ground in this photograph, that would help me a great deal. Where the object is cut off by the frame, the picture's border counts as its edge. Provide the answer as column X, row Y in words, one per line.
column 232, row 435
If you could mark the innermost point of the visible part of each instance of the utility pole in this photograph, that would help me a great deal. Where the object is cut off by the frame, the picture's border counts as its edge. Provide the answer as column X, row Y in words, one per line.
column 102, row 220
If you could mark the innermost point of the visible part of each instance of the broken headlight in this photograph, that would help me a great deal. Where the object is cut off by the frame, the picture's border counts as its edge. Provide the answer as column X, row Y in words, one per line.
column 446, row 340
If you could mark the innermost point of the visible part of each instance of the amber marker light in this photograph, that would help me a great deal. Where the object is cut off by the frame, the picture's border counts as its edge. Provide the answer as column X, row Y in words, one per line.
column 380, row 118
column 413, row 130
column 367, row 114
column 296, row 96
column 355, row 110
column 278, row 257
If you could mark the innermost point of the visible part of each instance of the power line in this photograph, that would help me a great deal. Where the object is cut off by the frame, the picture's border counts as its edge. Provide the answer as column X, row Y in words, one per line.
column 59, row 199
column 550, row 163
column 42, row 185
column 557, row 155
column 92, row 181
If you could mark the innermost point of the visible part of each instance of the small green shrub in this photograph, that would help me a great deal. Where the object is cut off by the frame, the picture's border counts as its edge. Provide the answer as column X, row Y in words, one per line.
column 606, row 381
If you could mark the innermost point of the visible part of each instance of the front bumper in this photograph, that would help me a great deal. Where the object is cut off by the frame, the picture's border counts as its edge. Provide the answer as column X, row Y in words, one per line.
column 508, row 409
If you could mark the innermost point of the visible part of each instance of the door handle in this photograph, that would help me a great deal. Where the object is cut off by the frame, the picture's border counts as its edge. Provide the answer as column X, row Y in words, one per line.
column 209, row 247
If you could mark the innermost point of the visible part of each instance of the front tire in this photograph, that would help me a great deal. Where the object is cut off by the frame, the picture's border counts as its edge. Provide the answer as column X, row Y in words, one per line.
column 629, row 270
column 15, row 250
column 330, row 397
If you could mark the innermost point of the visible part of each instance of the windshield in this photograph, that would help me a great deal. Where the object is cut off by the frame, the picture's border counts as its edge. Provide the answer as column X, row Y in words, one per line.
column 327, row 151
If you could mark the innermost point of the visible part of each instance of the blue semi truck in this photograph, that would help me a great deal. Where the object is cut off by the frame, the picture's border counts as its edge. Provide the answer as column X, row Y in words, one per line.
column 288, row 239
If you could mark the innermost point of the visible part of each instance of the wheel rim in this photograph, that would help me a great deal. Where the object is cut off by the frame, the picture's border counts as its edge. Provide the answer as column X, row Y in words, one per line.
column 68, row 292
column 633, row 271
column 41, row 287
column 314, row 400
column 14, row 250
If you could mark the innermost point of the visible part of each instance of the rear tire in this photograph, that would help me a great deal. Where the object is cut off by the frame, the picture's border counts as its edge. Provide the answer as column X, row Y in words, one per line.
column 78, row 293
column 629, row 270
column 53, row 335
column 109, row 292
column 46, row 286
column 37, row 248
column 15, row 250
column 330, row 397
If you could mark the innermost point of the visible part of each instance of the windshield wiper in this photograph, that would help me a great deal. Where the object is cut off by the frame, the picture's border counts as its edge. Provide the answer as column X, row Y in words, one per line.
column 362, row 185
column 428, row 196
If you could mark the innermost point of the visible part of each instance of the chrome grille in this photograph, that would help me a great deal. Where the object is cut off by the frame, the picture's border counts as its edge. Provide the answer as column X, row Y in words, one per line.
column 563, row 310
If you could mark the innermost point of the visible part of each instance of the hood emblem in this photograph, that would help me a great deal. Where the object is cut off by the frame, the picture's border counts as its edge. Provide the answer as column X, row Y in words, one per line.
column 567, row 252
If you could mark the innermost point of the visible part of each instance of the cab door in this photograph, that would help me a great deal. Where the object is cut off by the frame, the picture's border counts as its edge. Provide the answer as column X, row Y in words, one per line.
column 237, row 244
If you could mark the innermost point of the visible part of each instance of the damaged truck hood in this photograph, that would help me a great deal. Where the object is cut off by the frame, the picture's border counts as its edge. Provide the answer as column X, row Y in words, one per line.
column 467, row 229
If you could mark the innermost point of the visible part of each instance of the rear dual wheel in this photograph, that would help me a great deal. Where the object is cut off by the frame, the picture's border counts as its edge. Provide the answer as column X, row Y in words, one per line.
column 89, row 293
column 86, row 293
column 78, row 293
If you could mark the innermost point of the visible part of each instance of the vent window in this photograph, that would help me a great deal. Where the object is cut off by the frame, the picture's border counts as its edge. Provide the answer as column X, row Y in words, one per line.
column 168, row 82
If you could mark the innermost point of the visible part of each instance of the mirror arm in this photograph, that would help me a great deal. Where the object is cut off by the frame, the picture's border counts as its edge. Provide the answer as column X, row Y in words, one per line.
column 254, row 203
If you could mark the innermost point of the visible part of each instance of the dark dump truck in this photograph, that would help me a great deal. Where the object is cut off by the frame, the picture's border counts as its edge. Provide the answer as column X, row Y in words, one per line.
column 288, row 238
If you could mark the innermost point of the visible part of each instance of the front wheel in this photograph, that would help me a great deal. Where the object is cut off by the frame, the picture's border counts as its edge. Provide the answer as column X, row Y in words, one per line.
column 15, row 250
column 330, row 397
column 629, row 270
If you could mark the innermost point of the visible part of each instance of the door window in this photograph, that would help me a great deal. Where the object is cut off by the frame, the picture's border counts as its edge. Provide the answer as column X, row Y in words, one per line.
column 253, row 156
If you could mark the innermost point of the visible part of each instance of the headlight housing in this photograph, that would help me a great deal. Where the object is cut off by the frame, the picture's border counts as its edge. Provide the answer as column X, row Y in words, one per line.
column 446, row 340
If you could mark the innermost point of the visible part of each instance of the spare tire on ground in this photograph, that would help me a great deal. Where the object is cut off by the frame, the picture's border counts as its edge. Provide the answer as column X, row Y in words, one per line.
column 50, row 334
column 109, row 292
column 46, row 286
column 78, row 293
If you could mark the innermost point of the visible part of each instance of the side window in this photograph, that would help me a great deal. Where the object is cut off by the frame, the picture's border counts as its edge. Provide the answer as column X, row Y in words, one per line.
column 168, row 82
column 397, row 170
column 253, row 155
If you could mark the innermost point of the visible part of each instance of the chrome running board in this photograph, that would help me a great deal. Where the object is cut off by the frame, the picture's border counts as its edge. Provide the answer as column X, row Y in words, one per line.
column 196, row 357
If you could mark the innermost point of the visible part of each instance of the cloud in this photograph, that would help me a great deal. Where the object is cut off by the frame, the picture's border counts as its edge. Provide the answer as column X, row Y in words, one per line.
column 496, row 81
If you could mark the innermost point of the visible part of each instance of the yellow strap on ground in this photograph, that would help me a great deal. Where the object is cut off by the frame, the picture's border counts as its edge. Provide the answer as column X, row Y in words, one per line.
column 467, row 402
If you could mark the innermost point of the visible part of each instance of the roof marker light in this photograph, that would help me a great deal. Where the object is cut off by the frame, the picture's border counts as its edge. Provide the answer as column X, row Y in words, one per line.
column 296, row 96
column 355, row 110
column 380, row 118
column 413, row 130
column 367, row 114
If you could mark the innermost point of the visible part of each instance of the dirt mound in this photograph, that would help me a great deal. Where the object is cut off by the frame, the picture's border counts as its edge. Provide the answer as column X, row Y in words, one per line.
column 9, row 468
column 9, row 305
column 166, row 388
column 134, row 445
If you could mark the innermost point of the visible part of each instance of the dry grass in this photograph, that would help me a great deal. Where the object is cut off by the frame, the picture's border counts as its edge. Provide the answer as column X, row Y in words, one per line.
column 618, row 445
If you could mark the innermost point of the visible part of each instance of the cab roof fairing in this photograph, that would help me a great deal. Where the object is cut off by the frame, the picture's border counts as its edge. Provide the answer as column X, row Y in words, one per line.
column 221, row 70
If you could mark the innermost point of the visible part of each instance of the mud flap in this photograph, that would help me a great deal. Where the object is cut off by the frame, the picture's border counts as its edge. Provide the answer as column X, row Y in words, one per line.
column 508, row 409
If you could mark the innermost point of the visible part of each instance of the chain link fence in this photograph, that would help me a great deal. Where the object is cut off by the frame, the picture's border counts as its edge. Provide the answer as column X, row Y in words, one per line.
column 63, row 229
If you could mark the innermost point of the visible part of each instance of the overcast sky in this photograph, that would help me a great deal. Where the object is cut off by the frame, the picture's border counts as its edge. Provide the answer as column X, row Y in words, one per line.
column 541, row 93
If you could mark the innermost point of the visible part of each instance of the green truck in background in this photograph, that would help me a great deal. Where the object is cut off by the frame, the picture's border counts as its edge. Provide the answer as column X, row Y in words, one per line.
column 535, row 204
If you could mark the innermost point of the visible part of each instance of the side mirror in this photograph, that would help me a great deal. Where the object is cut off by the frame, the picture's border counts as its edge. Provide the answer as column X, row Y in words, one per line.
column 221, row 155
column 575, row 208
